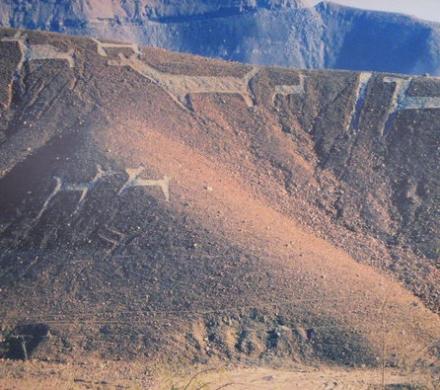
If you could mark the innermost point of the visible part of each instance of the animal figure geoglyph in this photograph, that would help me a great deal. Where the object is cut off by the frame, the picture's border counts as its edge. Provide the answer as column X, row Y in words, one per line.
column 134, row 179
column 30, row 52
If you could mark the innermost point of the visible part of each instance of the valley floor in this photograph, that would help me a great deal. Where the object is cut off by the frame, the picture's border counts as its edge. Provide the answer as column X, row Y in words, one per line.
column 120, row 375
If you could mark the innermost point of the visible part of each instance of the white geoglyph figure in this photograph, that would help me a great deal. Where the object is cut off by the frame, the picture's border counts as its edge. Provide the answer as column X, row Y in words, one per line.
column 401, row 101
column 134, row 180
column 101, row 46
column 82, row 188
column 39, row 51
column 286, row 90
column 179, row 87
column 48, row 52
column 20, row 40
column 359, row 101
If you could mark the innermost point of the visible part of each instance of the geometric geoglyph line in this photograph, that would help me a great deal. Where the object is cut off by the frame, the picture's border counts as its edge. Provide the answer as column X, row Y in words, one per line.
column 358, row 104
column 401, row 101
column 38, row 51
column 101, row 46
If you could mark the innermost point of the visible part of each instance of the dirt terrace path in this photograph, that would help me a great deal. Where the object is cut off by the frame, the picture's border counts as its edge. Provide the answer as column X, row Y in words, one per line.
column 120, row 375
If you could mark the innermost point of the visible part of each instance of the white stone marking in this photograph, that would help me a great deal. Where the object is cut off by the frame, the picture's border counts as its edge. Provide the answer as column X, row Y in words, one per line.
column 39, row 51
column 420, row 103
column 399, row 93
column 358, row 103
column 46, row 204
column 134, row 180
column 286, row 90
column 100, row 47
column 83, row 188
column 49, row 52
column 400, row 101
column 20, row 40
column 180, row 86
column 115, row 242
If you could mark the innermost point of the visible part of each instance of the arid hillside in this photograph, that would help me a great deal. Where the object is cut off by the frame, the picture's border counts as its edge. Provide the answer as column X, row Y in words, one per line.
column 160, row 206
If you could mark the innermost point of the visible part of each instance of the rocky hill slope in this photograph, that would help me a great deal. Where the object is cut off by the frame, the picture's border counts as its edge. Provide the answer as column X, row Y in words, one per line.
column 158, row 205
column 271, row 32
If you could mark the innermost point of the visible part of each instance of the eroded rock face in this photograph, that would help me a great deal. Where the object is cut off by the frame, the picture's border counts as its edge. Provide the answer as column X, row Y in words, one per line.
column 157, row 204
column 173, row 10
column 63, row 13
column 269, row 32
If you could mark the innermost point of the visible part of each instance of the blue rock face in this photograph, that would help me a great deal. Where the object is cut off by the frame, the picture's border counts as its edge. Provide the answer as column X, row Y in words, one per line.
column 269, row 32
column 360, row 40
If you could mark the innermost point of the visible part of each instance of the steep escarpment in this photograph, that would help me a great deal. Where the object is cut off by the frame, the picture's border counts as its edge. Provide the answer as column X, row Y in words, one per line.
column 269, row 32
column 362, row 40
column 187, row 11
column 161, row 206
column 73, row 13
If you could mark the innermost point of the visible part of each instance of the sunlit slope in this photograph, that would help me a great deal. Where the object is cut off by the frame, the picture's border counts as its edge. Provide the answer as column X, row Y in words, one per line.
column 161, row 205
